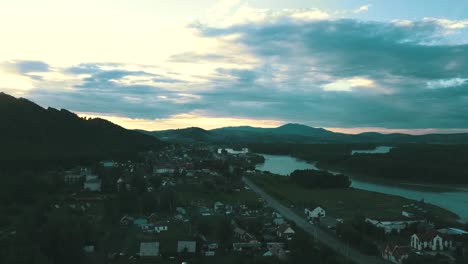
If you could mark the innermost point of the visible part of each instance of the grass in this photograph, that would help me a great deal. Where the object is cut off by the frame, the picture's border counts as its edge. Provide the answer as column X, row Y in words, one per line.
column 342, row 203
column 194, row 192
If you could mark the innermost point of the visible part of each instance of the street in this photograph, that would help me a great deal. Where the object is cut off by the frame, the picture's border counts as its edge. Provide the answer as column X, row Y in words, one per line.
column 322, row 236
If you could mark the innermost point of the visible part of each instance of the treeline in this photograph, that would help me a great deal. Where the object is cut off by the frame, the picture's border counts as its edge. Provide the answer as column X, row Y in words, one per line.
column 319, row 179
column 32, row 230
column 411, row 162
column 428, row 163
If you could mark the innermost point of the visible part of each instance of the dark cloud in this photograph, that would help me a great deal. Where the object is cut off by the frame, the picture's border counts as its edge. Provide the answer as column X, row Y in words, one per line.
column 104, row 92
column 399, row 59
column 418, row 78
column 25, row 66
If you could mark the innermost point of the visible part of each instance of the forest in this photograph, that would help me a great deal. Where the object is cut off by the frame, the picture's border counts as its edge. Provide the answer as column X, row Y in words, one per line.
column 437, row 163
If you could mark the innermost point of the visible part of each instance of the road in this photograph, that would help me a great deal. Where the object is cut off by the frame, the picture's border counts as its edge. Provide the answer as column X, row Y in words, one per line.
column 322, row 236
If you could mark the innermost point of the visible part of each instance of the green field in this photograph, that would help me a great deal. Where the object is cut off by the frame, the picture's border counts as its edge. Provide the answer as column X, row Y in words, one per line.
column 343, row 203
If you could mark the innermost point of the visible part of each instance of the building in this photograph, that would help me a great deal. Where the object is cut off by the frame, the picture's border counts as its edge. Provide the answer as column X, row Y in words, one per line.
column 243, row 246
column 108, row 164
column 432, row 240
column 92, row 183
column 395, row 254
column 218, row 206
column 318, row 212
column 163, row 171
column 285, row 231
column 186, row 247
column 241, row 234
column 391, row 226
column 160, row 227
column 452, row 231
column 275, row 249
column 74, row 176
column 149, row 249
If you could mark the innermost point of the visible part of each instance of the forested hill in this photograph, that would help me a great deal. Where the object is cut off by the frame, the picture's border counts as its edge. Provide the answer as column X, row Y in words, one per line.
column 299, row 134
column 32, row 134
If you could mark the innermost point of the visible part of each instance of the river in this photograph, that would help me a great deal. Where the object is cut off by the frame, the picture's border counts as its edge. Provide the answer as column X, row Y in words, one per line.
column 456, row 201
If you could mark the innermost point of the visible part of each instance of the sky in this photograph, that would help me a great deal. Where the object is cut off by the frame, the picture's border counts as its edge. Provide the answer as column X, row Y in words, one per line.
column 346, row 65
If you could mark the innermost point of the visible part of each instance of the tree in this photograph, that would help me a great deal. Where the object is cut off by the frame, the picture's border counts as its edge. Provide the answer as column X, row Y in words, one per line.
column 224, row 233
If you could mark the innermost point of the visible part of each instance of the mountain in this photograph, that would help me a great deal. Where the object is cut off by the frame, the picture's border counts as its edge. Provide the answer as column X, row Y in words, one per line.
column 190, row 134
column 299, row 134
column 32, row 134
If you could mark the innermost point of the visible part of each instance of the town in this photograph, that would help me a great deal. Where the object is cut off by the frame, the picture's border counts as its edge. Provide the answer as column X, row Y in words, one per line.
column 199, row 203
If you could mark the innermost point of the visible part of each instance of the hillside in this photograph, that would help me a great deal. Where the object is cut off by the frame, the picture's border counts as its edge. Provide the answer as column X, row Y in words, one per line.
column 299, row 134
column 32, row 134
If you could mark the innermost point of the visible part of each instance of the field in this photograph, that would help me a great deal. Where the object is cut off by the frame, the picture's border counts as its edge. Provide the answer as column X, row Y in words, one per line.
column 343, row 203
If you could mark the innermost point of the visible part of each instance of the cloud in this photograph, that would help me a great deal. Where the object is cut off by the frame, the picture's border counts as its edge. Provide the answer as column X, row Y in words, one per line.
column 298, row 65
column 448, row 24
column 448, row 83
column 362, row 9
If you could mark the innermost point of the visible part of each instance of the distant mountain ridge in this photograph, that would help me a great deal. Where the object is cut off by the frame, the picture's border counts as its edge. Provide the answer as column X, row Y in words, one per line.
column 300, row 134
column 30, row 132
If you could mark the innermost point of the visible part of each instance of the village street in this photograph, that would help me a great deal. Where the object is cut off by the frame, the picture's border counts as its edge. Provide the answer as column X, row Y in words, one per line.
column 322, row 236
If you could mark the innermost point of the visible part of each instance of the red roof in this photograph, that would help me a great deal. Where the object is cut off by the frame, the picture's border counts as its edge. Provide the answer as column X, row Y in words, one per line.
column 396, row 251
column 429, row 236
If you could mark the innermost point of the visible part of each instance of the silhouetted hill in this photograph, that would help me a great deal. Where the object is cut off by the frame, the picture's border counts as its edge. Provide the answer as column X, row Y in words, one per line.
column 32, row 134
column 191, row 134
column 300, row 134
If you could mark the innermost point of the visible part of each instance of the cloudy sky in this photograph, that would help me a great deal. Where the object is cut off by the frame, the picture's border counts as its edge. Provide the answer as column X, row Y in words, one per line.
column 348, row 65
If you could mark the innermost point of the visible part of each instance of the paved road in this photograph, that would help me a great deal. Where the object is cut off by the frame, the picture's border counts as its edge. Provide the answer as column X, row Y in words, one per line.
column 324, row 237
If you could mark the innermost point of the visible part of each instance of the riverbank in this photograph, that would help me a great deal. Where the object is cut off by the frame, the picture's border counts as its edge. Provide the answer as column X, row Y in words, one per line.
column 418, row 186
column 345, row 203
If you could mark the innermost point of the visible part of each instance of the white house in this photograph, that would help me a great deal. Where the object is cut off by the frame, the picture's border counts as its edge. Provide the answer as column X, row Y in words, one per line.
column 160, row 227
column 318, row 212
column 149, row 249
column 434, row 241
column 163, row 171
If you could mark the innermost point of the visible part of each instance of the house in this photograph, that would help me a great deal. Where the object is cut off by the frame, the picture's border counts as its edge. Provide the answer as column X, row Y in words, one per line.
column 316, row 213
column 140, row 222
column 275, row 249
column 149, row 249
column 204, row 211
column 285, row 231
column 186, row 247
column 212, row 246
column 92, row 183
column 74, row 176
column 89, row 249
column 277, row 218
column 163, row 171
column 392, row 226
column 407, row 214
column 278, row 221
column 254, row 245
column 241, row 234
column 160, row 227
column 395, row 254
column 126, row 220
column 431, row 240
column 218, row 206
column 181, row 210
column 108, row 164
column 149, row 228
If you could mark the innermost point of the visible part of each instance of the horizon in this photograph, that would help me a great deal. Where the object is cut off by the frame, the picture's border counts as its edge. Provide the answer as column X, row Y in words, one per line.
column 346, row 66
